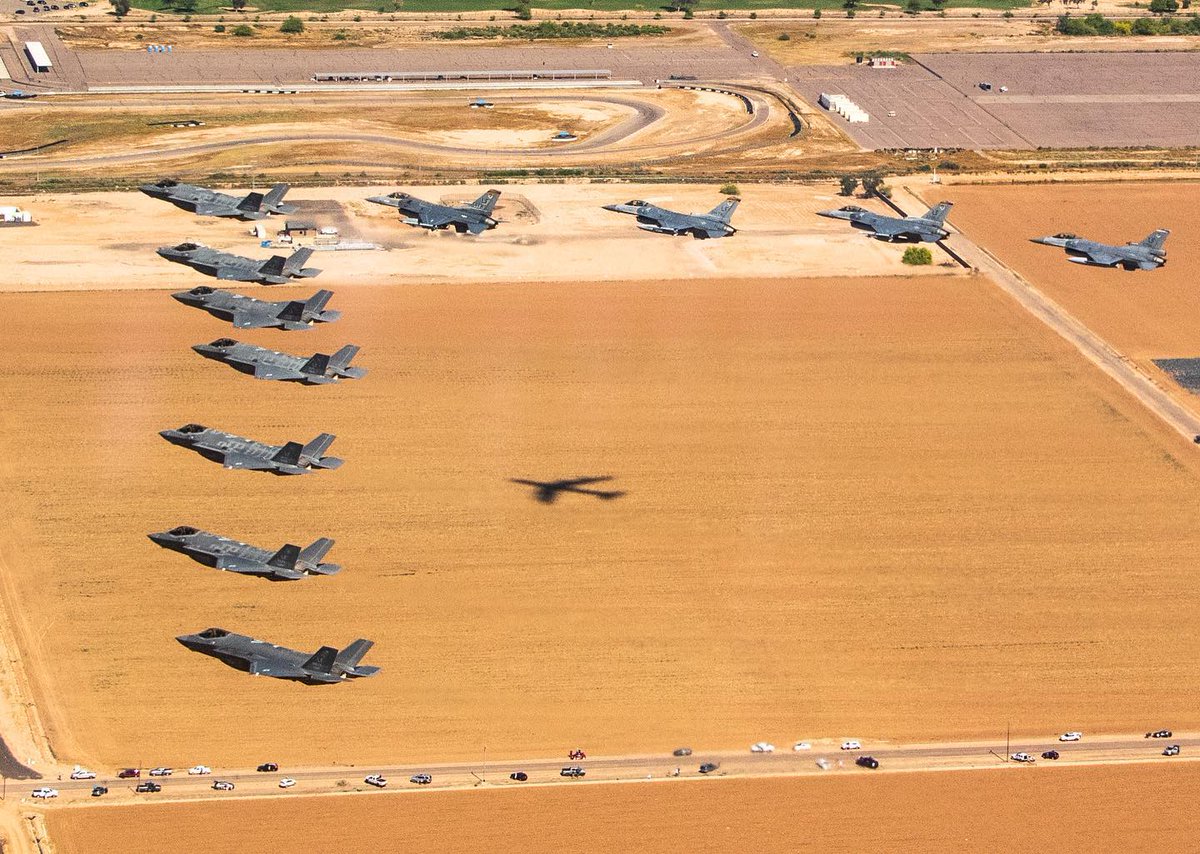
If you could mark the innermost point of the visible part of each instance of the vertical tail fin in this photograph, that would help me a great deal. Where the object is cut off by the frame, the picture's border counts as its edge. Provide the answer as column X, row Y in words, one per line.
column 349, row 657
column 289, row 454
column 275, row 196
column 273, row 266
column 322, row 660
column 317, row 365
column 1155, row 239
column 938, row 212
column 252, row 203
column 286, row 557
column 340, row 360
column 725, row 210
column 296, row 261
column 312, row 555
column 294, row 310
column 318, row 446
column 486, row 202
column 317, row 302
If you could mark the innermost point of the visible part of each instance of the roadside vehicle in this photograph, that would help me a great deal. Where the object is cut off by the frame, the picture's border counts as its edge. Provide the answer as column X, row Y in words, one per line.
column 851, row 745
column 801, row 745
column 1161, row 733
column 421, row 779
column 867, row 762
column 129, row 772
column 823, row 764
column 82, row 774
column 682, row 751
column 1172, row 750
column 376, row 780
column 577, row 754
column 1050, row 754
column 161, row 772
column 148, row 786
column 1021, row 757
column 762, row 747
column 572, row 771
column 709, row 767
column 1070, row 736
column 222, row 785
column 199, row 769
column 97, row 791
column 519, row 776
column 268, row 767
column 45, row 793
column 286, row 783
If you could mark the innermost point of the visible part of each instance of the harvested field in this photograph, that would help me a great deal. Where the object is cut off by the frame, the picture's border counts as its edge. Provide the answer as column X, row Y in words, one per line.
column 853, row 507
column 1129, row 808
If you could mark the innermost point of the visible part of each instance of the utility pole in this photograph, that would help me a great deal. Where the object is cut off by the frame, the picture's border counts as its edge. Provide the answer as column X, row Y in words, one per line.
column 1007, row 740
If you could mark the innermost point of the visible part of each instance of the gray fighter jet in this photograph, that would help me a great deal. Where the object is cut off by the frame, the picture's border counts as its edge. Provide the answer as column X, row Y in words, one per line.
column 275, row 270
column 927, row 228
column 473, row 218
column 1147, row 254
column 264, row 364
column 650, row 217
column 260, row 658
column 206, row 202
column 288, row 564
column 250, row 313
column 236, row 452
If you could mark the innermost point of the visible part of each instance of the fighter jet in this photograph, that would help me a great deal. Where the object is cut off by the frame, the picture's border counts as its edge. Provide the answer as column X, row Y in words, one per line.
column 236, row 452
column 547, row 491
column 264, row 364
column 260, row 658
column 205, row 202
column 927, row 228
column 250, row 313
column 1147, row 254
column 473, row 218
column 275, row 270
column 288, row 564
column 650, row 217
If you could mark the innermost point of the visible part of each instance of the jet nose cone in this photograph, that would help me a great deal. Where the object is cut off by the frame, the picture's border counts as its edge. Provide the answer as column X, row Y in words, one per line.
column 1045, row 241
column 161, row 538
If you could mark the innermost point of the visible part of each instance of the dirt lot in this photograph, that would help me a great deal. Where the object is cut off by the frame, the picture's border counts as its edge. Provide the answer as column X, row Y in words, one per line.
column 1132, row 808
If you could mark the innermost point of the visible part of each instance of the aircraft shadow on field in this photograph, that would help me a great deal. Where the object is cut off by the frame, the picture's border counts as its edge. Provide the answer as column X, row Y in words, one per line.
column 547, row 491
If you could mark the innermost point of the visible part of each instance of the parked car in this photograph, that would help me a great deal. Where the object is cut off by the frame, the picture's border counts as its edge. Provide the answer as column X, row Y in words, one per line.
column 421, row 779
column 801, row 745
column 286, row 783
column 867, row 762
column 519, row 776
column 1070, row 736
column 709, row 767
column 199, row 769
column 97, row 791
column 851, row 745
column 1050, row 754
column 1172, row 750
column 82, row 774
column 376, row 780
column 1021, row 757
column 148, row 786
column 161, row 772
column 45, row 793
column 682, row 751
column 572, row 771
column 222, row 785
column 823, row 764
column 269, row 767
column 762, row 747
column 1162, row 733
column 129, row 772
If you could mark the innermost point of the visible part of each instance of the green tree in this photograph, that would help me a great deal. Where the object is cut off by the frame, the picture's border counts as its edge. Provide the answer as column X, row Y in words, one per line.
column 816, row 13
column 1163, row 7
column 291, row 25
column 849, row 184
column 871, row 183
column 120, row 7
column 237, row 5
column 729, row 189
column 918, row 256
column 523, row 11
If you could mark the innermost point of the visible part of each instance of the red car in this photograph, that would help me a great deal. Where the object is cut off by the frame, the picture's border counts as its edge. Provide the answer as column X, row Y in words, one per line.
column 577, row 754
column 130, row 772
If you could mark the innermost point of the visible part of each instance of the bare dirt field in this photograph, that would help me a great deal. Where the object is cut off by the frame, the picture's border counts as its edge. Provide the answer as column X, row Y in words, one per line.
column 1133, row 808
column 1145, row 315
column 839, row 492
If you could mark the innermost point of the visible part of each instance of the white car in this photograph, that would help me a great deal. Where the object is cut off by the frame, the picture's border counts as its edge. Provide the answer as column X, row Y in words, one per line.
column 1021, row 757
column 161, row 772
column 82, row 774
column 222, row 785
column 376, row 780
column 45, row 792
column 754, row 54
column 286, row 783
column 199, row 769
column 801, row 745
column 1070, row 736
column 851, row 745
column 762, row 747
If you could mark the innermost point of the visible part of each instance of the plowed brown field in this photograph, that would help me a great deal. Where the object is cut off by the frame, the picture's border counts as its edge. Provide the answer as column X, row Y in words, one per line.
column 880, row 508
column 1082, row 809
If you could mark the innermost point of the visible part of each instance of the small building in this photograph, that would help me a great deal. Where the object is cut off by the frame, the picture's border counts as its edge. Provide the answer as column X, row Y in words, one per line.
column 295, row 226
column 38, row 58
column 883, row 62
column 14, row 216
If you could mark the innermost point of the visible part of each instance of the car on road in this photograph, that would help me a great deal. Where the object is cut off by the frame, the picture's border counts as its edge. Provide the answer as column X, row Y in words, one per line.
column 867, row 762
column 161, row 772
column 851, row 745
column 129, row 772
column 268, row 767
column 1070, row 736
column 148, row 786
column 801, row 745
column 45, row 792
column 421, row 779
column 754, row 54
column 572, row 771
column 1050, row 754
column 82, row 774
column 1021, row 757
column 199, row 769
column 682, row 751
column 1172, row 750
column 519, row 776
column 709, row 767
column 762, row 747
column 823, row 764
column 222, row 785
column 376, row 780
column 286, row 783
column 1161, row 733
column 97, row 791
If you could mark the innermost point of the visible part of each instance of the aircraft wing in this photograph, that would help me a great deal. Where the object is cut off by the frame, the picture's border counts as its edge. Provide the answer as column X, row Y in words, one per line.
column 1103, row 256
column 582, row 481
column 436, row 217
column 233, row 563
column 477, row 227
column 275, row 372
column 663, row 219
column 209, row 210
column 235, row 460
column 289, row 574
column 252, row 320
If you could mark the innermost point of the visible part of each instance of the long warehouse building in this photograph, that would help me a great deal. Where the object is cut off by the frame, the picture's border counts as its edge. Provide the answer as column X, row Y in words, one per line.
column 38, row 58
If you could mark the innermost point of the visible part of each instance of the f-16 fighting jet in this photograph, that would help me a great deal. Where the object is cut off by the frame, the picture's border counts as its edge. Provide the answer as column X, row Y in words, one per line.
column 1147, row 254
column 206, row 202
column 260, row 658
column 275, row 270
column 650, row 217
column 264, row 364
column 250, row 313
column 473, row 218
column 235, row 452
column 288, row 564
column 547, row 491
column 927, row 228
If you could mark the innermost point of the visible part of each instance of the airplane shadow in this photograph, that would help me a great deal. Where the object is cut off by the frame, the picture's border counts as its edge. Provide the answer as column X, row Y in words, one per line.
column 548, row 491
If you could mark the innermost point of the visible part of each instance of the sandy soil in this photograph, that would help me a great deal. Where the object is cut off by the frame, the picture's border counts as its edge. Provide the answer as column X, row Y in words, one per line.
column 107, row 240
column 1134, row 809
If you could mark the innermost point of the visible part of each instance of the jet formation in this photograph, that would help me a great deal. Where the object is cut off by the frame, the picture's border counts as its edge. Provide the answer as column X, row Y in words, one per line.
column 473, row 218
column 1146, row 254
column 289, row 563
column 275, row 270
column 927, row 228
column 237, row 452
column 260, row 658
column 650, row 217
column 206, row 202
column 249, row 313
column 264, row 364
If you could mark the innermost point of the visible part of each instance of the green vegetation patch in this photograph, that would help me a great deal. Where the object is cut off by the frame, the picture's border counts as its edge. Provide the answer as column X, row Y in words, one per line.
column 1098, row 25
column 552, row 30
column 917, row 256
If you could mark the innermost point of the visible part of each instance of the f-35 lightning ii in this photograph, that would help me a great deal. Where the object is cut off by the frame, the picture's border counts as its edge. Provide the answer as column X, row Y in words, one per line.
column 927, row 228
column 260, row 658
column 206, row 202
column 250, row 313
column 236, row 452
column 650, row 217
column 1146, row 254
column 275, row 270
column 264, row 364
column 473, row 218
column 288, row 564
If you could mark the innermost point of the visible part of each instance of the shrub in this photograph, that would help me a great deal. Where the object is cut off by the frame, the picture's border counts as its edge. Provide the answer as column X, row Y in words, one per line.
column 816, row 13
column 784, row 37
column 523, row 11
column 1163, row 7
column 219, row 28
column 754, row 15
column 849, row 184
column 730, row 189
column 723, row 14
column 291, row 25
column 918, row 256
column 243, row 31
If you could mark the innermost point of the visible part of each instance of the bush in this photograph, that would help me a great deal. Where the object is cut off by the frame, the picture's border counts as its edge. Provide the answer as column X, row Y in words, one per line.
column 219, row 28
column 917, row 256
column 1163, row 7
column 291, row 25
column 816, row 13
column 783, row 37
column 243, row 31
column 754, row 15
column 849, row 184
column 523, row 11
column 723, row 15
column 730, row 189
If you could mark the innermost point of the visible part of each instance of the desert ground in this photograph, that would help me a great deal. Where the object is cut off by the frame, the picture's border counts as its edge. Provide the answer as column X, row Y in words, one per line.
column 1134, row 808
